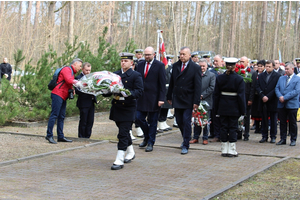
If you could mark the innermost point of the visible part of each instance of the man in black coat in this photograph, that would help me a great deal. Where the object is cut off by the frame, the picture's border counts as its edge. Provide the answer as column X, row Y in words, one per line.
column 249, row 93
column 278, row 69
column 123, row 109
column 297, row 68
column 265, row 87
column 154, row 80
column 85, row 103
column 5, row 69
column 184, row 93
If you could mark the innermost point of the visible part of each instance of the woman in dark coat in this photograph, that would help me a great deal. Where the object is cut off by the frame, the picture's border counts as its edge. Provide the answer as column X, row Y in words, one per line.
column 230, row 104
column 255, row 113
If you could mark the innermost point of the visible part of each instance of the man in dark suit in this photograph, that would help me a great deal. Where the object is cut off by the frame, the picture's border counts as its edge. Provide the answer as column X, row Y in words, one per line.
column 85, row 103
column 5, row 69
column 249, row 93
column 287, row 90
column 154, row 80
column 207, row 90
column 184, row 93
column 265, row 87
column 123, row 109
column 277, row 68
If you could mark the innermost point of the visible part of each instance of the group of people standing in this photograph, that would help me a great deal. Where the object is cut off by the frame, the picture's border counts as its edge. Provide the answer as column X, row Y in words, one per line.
column 155, row 88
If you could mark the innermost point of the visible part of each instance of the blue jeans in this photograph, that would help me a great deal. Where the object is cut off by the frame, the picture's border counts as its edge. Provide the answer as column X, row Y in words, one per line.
column 148, row 126
column 183, row 118
column 58, row 112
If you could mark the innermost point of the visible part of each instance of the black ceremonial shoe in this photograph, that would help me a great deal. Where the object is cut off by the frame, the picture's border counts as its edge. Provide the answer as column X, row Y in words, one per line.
column 51, row 140
column 116, row 167
column 63, row 140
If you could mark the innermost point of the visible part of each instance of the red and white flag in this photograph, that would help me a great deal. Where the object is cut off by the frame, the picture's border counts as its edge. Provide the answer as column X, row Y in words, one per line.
column 161, row 50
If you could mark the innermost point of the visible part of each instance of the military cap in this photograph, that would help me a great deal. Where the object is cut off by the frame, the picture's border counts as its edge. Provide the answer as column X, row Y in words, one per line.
column 125, row 55
column 205, row 56
column 195, row 54
column 297, row 60
column 254, row 61
column 170, row 56
column 139, row 51
column 231, row 60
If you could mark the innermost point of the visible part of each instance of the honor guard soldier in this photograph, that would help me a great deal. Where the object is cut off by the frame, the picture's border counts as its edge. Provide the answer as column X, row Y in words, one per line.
column 207, row 57
column 123, row 109
column 230, row 104
column 297, row 68
column 139, row 56
column 164, row 110
column 252, row 63
column 195, row 57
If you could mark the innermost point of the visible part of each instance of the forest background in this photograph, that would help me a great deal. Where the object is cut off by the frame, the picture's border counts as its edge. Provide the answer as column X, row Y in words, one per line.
column 38, row 36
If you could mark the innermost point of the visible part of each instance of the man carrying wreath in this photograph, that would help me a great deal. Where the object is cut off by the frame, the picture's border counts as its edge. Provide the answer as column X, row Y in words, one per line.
column 124, row 108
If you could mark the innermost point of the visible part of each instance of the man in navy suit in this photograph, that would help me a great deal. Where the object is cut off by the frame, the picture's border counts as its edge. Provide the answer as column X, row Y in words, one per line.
column 287, row 90
column 154, row 80
column 184, row 93
column 85, row 103
column 265, row 87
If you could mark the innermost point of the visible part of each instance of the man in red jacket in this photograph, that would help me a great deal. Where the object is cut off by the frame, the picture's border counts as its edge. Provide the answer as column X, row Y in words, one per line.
column 59, row 95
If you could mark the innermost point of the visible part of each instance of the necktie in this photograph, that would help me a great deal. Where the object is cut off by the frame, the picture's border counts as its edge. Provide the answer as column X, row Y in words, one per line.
column 147, row 68
column 287, row 80
column 182, row 67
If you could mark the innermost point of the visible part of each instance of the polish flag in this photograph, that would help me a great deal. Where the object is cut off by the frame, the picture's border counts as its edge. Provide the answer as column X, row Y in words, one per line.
column 162, row 52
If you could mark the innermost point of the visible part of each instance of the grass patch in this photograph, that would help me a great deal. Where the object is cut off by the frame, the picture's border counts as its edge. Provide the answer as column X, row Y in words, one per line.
column 279, row 182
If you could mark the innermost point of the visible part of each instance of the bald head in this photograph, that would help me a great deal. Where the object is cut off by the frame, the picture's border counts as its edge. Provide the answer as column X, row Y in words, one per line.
column 149, row 54
column 218, row 61
column 244, row 61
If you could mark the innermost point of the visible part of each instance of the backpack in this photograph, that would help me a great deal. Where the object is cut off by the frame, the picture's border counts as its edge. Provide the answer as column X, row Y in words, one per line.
column 53, row 83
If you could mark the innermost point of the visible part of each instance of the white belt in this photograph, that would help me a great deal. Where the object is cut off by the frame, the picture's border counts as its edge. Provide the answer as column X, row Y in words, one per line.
column 119, row 98
column 229, row 93
column 167, row 85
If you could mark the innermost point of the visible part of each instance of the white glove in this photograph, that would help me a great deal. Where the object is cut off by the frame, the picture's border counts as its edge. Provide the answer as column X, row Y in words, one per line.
column 6, row 75
column 217, row 115
column 124, row 94
column 241, row 118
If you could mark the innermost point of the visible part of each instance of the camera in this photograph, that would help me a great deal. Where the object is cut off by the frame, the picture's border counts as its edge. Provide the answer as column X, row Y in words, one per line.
column 71, row 95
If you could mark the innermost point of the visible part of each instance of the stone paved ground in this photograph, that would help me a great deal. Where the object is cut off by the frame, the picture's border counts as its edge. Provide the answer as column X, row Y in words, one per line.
column 162, row 174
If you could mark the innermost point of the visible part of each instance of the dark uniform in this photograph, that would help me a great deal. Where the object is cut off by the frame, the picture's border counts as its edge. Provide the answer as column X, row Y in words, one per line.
column 86, row 105
column 230, row 104
column 123, row 111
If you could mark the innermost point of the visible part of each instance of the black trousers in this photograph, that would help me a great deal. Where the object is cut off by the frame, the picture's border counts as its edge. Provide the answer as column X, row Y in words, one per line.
column 163, row 114
column 215, row 125
column 86, row 121
column 229, row 127
column 247, row 122
column 265, row 123
column 123, row 135
column 291, row 115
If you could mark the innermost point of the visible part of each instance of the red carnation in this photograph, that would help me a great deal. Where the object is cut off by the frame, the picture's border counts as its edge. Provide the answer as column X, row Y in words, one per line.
column 243, row 72
column 242, row 67
column 236, row 70
column 248, row 69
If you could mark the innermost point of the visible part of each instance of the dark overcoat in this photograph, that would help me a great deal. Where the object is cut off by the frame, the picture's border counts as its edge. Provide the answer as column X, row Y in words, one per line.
column 267, row 89
column 168, row 77
column 208, row 87
column 124, row 110
column 185, row 87
column 154, row 86
column 230, row 105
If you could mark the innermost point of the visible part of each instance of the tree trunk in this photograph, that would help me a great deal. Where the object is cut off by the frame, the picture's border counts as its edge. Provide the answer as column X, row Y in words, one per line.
column 262, row 30
column 28, row 19
column 131, row 18
column 71, row 22
column 2, row 19
column 275, row 46
column 196, row 25
column 233, row 29
column 187, row 24
column 240, row 27
column 36, row 17
column 296, row 31
column 175, row 28
column 221, row 29
column 286, row 48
